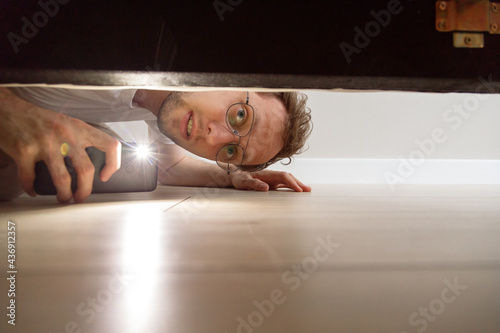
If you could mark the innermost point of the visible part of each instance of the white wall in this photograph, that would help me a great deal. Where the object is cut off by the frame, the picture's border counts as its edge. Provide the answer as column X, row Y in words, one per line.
column 386, row 124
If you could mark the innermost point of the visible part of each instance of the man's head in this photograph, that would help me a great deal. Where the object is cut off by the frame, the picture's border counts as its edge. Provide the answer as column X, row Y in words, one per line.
column 196, row 121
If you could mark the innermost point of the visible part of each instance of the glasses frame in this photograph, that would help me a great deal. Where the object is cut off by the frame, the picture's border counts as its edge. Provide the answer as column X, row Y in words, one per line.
column 235, row 132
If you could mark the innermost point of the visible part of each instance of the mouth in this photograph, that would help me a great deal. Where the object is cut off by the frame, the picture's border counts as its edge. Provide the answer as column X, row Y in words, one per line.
column 187, row 125
column 190, row 125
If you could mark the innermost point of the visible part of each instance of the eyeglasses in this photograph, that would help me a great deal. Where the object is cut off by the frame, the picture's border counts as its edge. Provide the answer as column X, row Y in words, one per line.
column 239, row 120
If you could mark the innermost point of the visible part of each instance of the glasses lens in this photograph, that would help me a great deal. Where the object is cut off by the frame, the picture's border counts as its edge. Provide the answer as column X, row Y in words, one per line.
column 239, row 118
column 230, row 157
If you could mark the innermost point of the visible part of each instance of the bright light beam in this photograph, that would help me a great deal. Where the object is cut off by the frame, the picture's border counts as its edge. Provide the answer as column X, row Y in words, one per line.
column 142, row 259
column 142, row 151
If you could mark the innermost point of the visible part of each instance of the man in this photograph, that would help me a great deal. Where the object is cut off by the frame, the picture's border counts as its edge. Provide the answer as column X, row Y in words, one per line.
column 243, row 131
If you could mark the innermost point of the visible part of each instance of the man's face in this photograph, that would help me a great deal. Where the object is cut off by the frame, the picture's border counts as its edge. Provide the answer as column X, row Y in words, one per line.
column 209, row 132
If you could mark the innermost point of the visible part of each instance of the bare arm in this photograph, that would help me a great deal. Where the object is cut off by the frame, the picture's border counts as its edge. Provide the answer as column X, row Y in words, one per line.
column 30, row 133
column 177, row 169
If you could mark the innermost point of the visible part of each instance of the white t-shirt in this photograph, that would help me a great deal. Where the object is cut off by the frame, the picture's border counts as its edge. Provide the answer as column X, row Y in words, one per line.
column 93, row 106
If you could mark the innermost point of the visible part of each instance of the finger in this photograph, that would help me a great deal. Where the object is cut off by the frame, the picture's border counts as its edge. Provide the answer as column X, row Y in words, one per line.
column 261, row 186
column 304, row 187
column 60, row 178
column 113, row 150
column 85, row 175
column 254, row 184
column 26, row 173
column 289, row 182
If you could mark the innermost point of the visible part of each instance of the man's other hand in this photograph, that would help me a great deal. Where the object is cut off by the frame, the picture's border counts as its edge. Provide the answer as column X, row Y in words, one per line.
column 267, row 180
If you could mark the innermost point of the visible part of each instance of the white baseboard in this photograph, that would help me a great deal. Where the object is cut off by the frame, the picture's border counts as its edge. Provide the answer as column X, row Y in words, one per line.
column 385, row 171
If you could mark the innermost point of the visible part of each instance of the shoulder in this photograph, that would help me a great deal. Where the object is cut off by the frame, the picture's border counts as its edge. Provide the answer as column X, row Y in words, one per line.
column 51, row 97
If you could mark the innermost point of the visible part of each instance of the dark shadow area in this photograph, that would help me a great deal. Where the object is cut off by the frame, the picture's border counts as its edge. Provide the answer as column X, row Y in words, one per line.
column 348, row 39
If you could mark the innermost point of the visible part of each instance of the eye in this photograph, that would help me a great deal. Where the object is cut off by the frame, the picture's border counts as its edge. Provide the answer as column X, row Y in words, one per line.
column 240, row 115
column 238, row 118
column 230, row 152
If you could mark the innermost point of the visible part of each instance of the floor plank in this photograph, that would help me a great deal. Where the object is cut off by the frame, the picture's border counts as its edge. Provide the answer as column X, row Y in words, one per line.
column 343, row 258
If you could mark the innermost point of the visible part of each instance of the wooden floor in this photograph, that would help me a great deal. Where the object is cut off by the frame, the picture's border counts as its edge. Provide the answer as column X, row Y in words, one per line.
column 349, row 258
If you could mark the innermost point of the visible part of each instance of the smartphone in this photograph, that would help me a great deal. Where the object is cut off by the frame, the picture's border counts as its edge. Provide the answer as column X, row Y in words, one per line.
column 138, row 171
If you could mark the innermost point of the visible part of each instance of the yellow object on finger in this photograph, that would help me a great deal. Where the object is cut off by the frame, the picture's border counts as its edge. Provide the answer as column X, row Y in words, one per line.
column 64, row 149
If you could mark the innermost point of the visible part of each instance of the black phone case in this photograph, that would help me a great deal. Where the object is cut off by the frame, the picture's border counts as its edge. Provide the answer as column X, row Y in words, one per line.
column 135, row 174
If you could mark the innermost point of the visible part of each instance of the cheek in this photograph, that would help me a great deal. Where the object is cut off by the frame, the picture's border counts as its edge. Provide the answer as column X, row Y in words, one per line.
column 270, row 136
column 249, row 155
column 264, row 147
column 265, row 138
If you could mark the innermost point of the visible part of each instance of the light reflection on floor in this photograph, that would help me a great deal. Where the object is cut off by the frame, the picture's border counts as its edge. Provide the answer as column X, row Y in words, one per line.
column 141, row 259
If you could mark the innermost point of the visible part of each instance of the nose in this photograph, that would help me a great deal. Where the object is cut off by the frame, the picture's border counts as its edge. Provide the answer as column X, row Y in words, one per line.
column 218, row 134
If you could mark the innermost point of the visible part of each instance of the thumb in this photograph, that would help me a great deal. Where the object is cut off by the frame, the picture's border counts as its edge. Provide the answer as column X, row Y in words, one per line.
column 259, row 185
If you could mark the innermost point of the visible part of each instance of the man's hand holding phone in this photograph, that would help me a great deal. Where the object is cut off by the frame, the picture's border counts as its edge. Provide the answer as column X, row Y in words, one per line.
column 30, row 134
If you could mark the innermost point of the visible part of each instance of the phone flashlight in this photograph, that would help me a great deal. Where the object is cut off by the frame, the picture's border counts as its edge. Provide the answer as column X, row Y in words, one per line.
column 138, row 171
column 142, row 151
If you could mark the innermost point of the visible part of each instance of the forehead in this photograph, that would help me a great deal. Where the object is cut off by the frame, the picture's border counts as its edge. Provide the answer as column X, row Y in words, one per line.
column 266, row 139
